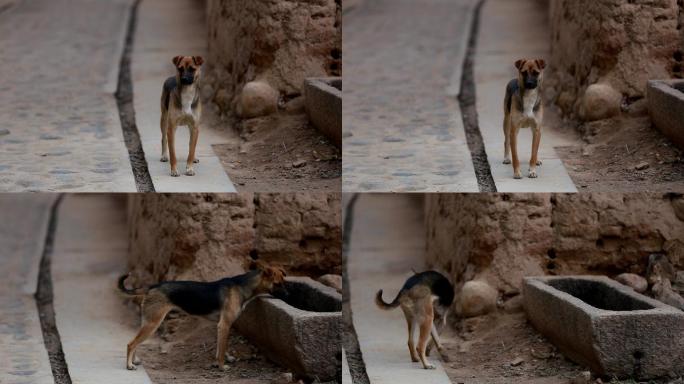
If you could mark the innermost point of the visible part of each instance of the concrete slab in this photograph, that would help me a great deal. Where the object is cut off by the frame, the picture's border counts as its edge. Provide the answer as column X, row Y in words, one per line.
column 666, row 108
column 158, row 39
column 402, row 127
column 493, row 69
column 23, row 357
column 60, row 121
column 90, row 249
column 346, row 374
column 386, row 242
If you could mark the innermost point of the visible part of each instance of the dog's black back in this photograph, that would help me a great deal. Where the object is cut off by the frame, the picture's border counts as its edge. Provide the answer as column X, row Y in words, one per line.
column 200, row 298
column 439, row 285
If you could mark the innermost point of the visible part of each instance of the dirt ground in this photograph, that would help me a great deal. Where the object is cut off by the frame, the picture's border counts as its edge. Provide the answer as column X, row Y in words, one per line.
column 624, row 154
column 281, row 153
column 504, row 348
column 185, row 353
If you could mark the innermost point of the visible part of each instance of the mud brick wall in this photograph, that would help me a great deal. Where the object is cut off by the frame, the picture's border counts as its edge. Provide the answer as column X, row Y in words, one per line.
column 209, row 236
column 502, row 238
column 280, row 42
column 622, row 43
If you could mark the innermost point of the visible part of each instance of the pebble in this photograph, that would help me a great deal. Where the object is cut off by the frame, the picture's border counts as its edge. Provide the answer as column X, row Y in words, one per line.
column 641, row 166
column 517, row 361
column 299, row 163
column 4, row 131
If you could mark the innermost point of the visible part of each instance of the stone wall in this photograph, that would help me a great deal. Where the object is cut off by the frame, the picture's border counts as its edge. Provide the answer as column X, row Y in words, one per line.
column 278, row 42
column 619, row 43
column 500, row 238
column 209, row 236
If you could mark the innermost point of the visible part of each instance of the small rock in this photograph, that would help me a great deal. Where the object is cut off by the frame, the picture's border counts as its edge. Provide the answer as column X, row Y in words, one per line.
column 633, row 281
column 582, row 378
column 4, row 131
column 257, row 98
column 641, row 166
column 517, row 361
column 600, row 101
column 541, row 353
column 333, row 281
column 299, row 163
column 477, row 298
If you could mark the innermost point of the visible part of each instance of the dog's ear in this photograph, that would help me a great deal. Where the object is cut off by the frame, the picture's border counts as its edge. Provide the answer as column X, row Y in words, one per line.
column 198, row 60
column 176, row 60
column 541, row 63
column 519, row 64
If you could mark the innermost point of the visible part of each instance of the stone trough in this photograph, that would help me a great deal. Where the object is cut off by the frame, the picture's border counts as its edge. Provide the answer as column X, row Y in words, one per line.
column 324, row 106
column 666, row 107
column 602, row 324
column 299, row 329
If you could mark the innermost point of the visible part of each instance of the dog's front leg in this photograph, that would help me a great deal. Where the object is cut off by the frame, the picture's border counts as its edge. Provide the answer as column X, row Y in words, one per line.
column 194, row 134
column 164, row 142
column 534, row 161
column 514, row 151
column 507, row 140
column 171, row 134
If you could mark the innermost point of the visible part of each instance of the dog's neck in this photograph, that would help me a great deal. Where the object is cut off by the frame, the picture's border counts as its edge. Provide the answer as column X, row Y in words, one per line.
column 529, row 99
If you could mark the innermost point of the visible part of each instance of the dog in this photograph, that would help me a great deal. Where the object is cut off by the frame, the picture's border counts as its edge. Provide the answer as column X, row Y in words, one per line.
column 523, row 108
column 181, row 105
column 423, row 296
column 223, row 299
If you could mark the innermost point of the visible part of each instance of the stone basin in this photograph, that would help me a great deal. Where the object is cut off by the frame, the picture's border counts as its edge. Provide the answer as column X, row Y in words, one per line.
column 300, row 328
column 666, row 108
column 324, row 106
column 606, row 326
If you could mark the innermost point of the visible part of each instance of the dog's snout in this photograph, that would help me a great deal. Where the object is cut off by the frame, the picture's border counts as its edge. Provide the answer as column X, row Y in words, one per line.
column 531, row 84
column 187, row 80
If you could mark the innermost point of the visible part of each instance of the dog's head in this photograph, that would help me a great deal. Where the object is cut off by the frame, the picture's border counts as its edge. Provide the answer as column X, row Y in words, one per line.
column 271, row 276
column 530, row 72
column 187, row 68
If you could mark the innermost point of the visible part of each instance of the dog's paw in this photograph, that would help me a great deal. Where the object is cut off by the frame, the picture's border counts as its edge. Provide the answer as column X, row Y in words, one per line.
column 131, row 367
column 415, row 359
column 539, row 162
column 429, row 366
column 175, row 173
column 189, row 172
column 517, row 175
column 137, row 361
column 507, row 161
column 164, row 159
column 533, row 174
column 196, row 161
column 445, row 357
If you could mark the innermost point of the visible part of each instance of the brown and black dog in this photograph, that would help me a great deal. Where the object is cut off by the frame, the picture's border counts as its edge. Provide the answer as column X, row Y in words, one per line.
column 423, row 296
column 523, row 108
column 223, row 298
column 181, row 105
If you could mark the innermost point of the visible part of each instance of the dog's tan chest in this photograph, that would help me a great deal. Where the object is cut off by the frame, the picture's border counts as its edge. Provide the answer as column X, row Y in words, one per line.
column 529, row 101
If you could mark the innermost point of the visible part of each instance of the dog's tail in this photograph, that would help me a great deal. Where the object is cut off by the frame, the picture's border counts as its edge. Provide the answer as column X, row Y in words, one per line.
column 381, row 303
column 131, row 292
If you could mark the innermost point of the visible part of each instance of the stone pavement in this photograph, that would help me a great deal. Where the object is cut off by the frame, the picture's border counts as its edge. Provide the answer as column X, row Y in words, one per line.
column 60, row 129
column 402, row 127
column 91, row 244
column 23, row 357
column 387, row 240
column 523, row 23
column 158, row 39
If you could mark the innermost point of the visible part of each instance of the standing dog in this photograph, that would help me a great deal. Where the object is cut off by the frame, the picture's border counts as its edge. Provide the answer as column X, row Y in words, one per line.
column 180, row 105
column 523, row 108
column 225, row 298
column 423, row 295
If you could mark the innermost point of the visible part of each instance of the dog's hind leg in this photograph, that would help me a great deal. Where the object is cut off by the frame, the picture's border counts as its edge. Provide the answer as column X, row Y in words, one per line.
column 411, row 324
column 425, row 327
column 153, row 317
